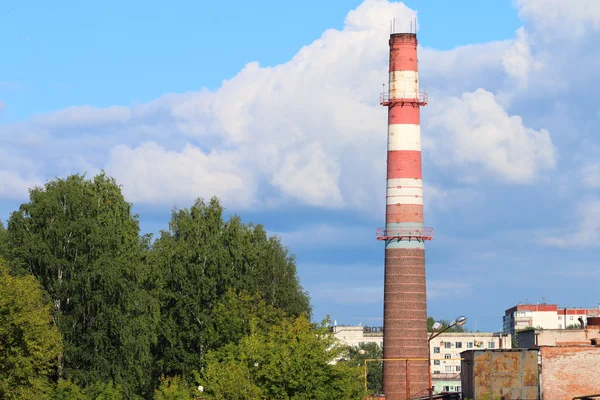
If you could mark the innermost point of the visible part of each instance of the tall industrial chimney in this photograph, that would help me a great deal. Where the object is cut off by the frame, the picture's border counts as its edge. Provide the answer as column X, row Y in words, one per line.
column 405, row 304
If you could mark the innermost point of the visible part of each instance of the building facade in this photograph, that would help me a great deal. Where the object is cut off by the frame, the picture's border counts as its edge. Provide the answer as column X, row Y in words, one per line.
column 444, row 350
column 544, row 316
column 355, row 335
column 445, row 355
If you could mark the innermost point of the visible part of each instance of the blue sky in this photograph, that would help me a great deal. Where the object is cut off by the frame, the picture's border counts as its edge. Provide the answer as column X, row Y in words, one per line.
column 273, row 108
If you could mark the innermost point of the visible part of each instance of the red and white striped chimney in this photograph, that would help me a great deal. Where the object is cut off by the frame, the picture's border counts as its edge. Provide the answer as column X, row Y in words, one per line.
column 405, row 303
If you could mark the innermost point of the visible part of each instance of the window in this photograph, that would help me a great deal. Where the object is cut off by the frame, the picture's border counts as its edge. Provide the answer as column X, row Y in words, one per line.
column 447, row 356
column 469, row 345
column 458, row 368
column 491, row 345
column 560, row 317
column 436, row 350
column 436, row 371
column 448, row 345
column 571, row 318
column 448, row 368
column 436, row 362
column 457, row 388
column 559, row 326
column 458, row 345
column 446, row 388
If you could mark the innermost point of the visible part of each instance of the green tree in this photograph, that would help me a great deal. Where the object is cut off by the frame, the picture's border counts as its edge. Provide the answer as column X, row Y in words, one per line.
column 66, row 389
column 3, row 241
column 292, row 360
column 368, row 351
column 235, row 314
column 104, row 391
column 81, row 240
column 174, row 388
column 200, row 258
column 445, row 323
column 29, row 341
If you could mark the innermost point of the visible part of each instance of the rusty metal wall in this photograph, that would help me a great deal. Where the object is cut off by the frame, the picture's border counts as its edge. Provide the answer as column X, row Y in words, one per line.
column 500, row 374
column 570, row 371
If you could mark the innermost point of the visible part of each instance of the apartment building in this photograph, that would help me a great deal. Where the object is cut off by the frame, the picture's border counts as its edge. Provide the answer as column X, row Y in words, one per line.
column 544, row 316
column 444, row 350
column 355, row 335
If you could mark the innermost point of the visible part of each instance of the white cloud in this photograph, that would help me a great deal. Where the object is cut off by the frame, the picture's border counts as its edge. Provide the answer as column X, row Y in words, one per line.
column 518, row 60
column 151, row 174
column 307, row 131
column 84, row 116
column 476, row 132
column 584, row 233
column 14, row 186
column 462, row 69
column 590, row 175
column 564, row 18
column 438, row 198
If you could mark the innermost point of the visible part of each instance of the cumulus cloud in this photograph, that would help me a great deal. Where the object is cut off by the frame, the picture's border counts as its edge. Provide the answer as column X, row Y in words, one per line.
column 151, row 174
column 308, row 131
column 584, row 233
column 518, row 60
column 438, row 198
column 590, row 175
column 570, row 18
column 476, row 132
column 14, row 186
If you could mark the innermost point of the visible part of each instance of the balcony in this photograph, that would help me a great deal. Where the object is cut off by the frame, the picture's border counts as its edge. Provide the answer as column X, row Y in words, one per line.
column 401, row 98
column 419, row 234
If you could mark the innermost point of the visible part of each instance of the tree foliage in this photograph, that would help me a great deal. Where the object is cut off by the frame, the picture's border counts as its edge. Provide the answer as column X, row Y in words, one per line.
column 200, row 258
column 292, row 360
column 174, row 388
column 3, row 241
column 29, row 341
column 445, row 323
column 81, row 240
column 130, row 311
column 368, row 351
column 66, row 389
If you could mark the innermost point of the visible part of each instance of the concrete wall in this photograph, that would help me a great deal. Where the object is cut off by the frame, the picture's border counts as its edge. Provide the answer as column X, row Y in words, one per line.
column 354, row 335
column 570, row 371
column 545, row 319
column 449, row 381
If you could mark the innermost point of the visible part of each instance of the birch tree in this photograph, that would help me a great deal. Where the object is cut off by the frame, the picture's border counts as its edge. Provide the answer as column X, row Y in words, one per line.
column 80, row 239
